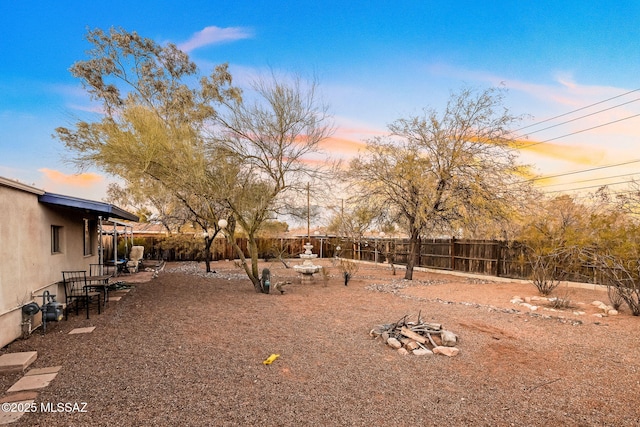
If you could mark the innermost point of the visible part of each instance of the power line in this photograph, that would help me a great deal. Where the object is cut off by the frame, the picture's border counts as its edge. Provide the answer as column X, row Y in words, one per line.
column 581, row 117
column 587, row 180
column 576, row 110
column 586, row 188
column 580, row 131
column 582, row 171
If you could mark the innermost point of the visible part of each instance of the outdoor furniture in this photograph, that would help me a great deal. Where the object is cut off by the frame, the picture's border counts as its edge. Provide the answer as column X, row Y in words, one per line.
column 77, row 291
column 98, row 280
column 135, row 257
column 120, row 265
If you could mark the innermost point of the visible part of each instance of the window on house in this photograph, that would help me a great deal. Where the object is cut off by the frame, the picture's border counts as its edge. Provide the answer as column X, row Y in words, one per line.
column 56, row 239
column 88, row 242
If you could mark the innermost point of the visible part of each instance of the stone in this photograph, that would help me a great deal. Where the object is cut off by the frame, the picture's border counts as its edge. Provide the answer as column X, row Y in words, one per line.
column 612, row 312
column 48, row 370
column 403, row 351
column 12, row 417
column 422, row 352
column 86, row 330
column 394, row 343
column 17, row 362
column 19, row 396
column 411, row 345
column 449, row 339
column 385, row 336
column 32, row 382
column 604, row 307
column 516, row 300
column 447, row 351
column 597, row 303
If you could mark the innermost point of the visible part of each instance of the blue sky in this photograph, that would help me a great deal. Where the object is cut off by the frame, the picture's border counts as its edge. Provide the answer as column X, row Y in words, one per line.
column 376, row 61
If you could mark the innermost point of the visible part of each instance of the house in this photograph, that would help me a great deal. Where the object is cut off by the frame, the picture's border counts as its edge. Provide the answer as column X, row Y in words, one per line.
column 41, row 235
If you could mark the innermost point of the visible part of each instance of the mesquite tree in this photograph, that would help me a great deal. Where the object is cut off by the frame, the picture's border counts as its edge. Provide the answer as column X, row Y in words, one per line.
column 440, row 172
column 216, row 154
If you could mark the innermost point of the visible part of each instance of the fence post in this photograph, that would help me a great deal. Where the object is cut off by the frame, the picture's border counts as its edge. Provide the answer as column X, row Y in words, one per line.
column 452, row 252
column 499, row 258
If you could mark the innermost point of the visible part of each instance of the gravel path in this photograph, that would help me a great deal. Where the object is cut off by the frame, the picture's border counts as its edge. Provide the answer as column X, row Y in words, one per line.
column 187, row 348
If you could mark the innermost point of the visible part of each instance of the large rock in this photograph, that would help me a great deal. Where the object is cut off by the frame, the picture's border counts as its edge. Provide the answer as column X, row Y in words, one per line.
column 449, row 339
column 447, row 351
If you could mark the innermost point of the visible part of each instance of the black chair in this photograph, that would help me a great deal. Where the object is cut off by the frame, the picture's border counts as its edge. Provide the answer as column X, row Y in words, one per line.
column 77, row 291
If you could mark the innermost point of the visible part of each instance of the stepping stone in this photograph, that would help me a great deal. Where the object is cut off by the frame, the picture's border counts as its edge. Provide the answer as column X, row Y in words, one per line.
column 12, row 417
column 32, row 382
column 19, row 396
column 17, row 362
column 114, row 298
column 40, row 371
column 86, row 330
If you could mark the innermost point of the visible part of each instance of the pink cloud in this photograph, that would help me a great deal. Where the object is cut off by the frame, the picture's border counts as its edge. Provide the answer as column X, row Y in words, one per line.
column 214, row 35
column 82, row 180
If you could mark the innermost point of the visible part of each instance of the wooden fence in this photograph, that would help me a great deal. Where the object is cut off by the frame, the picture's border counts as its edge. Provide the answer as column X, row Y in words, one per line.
column 488, row 257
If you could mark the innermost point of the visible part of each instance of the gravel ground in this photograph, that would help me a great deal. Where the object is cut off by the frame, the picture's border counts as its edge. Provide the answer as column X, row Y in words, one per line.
column 186, row 348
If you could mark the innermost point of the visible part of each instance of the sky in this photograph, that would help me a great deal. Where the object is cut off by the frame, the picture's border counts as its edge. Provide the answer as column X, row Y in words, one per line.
column 375, row 61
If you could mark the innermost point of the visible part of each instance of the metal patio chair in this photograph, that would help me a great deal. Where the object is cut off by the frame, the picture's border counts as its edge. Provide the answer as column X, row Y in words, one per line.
column 77, row 291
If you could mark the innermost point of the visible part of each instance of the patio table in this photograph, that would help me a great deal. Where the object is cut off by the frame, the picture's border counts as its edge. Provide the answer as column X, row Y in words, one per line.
column 101, row 283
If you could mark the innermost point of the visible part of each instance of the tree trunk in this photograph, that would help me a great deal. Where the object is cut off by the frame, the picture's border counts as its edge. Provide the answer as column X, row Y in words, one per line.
column 207, row 253
column 414, row 254
column 255, row 275
column 251, row 270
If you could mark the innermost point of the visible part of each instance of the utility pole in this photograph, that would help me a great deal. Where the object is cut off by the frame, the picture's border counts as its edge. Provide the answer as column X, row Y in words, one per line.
column 308, row 213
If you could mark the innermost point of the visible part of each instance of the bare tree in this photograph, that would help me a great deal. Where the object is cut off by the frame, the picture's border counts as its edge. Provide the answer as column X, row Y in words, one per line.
column 440, row 172
column 269, row 138
column 354, row 221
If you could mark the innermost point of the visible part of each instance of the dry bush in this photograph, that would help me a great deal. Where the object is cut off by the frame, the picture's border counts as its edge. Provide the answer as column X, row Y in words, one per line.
column 562, row 299
column 324, row 271
column 549, row 269
column 349, row 269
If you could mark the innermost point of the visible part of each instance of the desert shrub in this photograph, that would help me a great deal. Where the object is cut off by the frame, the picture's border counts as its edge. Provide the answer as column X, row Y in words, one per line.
column 561, row 299
column 615, row 297
column 324, row 271
column 549, row 268
column 621, row 275
column 349, row 269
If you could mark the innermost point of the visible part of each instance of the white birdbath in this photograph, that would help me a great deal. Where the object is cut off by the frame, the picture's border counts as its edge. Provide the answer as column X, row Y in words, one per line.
column 307, row 268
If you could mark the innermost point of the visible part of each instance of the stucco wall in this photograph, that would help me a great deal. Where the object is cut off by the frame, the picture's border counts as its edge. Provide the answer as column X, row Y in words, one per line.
column 27, row 266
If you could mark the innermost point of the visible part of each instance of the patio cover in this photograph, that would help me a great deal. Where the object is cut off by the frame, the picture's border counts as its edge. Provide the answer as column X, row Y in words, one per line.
column 107, row 214
column 88, row 206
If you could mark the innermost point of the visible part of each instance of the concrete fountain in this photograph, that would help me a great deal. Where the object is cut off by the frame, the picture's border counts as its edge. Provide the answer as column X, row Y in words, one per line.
column 307, row 268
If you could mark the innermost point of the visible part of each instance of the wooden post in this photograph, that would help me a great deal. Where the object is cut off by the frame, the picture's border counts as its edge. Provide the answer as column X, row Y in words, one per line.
column 453, row 253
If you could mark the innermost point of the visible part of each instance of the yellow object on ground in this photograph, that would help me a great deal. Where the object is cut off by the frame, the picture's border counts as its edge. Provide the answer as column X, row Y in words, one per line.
column 270, row 359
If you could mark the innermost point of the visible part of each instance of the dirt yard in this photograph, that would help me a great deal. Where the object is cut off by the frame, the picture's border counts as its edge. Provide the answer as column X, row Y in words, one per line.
column 186, row 348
